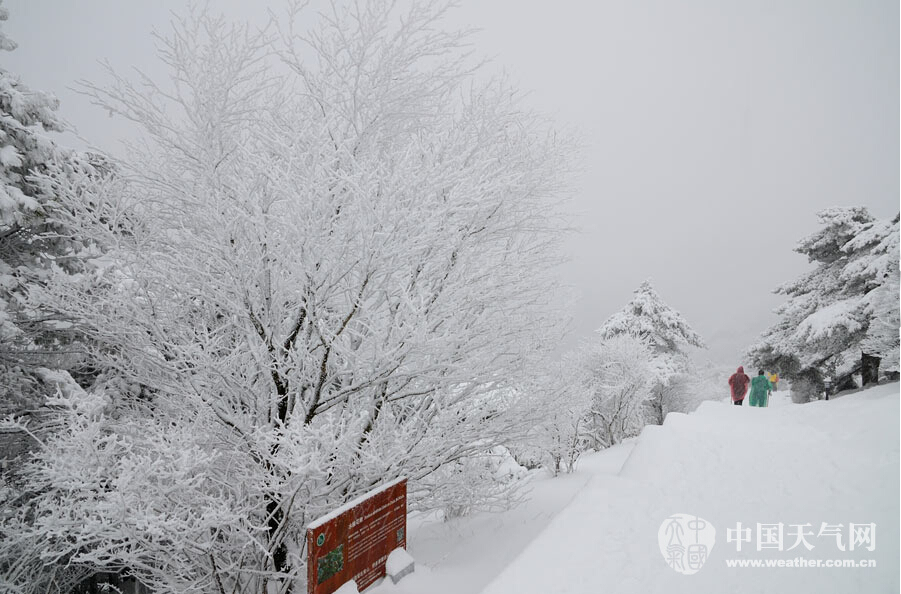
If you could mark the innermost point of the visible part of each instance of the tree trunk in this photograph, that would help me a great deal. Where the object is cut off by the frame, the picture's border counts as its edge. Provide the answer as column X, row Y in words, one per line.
column 869, row 369
column 280, row 552
column 655, row 406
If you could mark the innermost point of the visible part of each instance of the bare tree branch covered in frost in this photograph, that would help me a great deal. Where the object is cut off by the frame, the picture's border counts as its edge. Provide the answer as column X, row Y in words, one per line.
column 330, row 256
column 618, row 375
column 559, row 435
column 592, row 399
column 684, row 392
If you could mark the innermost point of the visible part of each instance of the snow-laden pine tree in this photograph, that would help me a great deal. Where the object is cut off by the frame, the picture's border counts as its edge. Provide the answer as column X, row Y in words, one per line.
column 38, row 342
column 882, row 308
column 334, row 269
column 841, row 317
column 42, row 352
column 666, row 332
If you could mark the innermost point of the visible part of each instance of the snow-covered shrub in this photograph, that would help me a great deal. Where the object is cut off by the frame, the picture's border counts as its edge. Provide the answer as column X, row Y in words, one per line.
column 466, row 479
column 686, row 391
column 682, row 393
column 617, row 373
column 807, row 386
column 529, row 455
column 561, row 403
column 593, row 398
column 139, row 493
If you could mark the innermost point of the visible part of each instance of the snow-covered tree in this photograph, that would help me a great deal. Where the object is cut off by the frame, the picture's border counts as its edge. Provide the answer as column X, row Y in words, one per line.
column 841, row 316
column 686, row 391
column 42, row 354
column 26, row 249
column 39, row 344
column 560, row 433
column 665, row 331
column 881, row 343
column 595, row 397
column 618, row 375
column 335, row 261
column 882, row 309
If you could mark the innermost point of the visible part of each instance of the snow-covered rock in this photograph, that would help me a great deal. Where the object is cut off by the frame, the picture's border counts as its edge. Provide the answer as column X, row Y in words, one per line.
column 399, row 564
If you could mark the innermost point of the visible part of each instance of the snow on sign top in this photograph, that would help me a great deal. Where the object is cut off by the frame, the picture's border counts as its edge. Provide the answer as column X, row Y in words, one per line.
column 351, row 504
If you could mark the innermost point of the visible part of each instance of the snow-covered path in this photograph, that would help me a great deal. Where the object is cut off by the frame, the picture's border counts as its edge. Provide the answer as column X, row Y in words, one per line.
column 833, row 462
column 464, row 555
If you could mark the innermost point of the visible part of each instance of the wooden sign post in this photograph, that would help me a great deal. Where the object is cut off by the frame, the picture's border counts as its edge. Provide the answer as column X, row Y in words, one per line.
column 353, row 542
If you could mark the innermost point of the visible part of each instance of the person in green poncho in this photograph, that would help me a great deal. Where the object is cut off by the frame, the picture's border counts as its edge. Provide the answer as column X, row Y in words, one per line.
column 760, row 390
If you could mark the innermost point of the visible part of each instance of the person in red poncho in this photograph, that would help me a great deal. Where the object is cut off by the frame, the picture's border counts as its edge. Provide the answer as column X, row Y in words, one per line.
column 738, row 381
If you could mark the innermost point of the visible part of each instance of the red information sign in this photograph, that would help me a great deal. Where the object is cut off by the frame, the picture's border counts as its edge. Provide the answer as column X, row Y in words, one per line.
column 353, row 542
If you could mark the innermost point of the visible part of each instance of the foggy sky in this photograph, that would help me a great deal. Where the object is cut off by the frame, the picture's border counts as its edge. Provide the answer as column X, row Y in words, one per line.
column 714, row 130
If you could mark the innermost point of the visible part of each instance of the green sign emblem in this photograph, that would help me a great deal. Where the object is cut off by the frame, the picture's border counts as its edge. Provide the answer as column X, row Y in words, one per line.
column 320, row 539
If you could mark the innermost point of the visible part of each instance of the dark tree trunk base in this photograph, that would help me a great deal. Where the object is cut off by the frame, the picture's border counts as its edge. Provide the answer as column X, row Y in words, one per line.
column 869, row 369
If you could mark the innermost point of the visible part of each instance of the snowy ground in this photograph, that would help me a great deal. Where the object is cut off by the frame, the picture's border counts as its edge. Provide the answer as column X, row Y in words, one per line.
column 833, row 462
column 465, row 555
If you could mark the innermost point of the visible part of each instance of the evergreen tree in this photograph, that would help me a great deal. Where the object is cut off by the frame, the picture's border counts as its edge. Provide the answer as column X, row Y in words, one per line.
column 841, row 317
column 38, row 344
column 882, row 307
column 664, row 329
column 880, row 346
column 41, row 349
